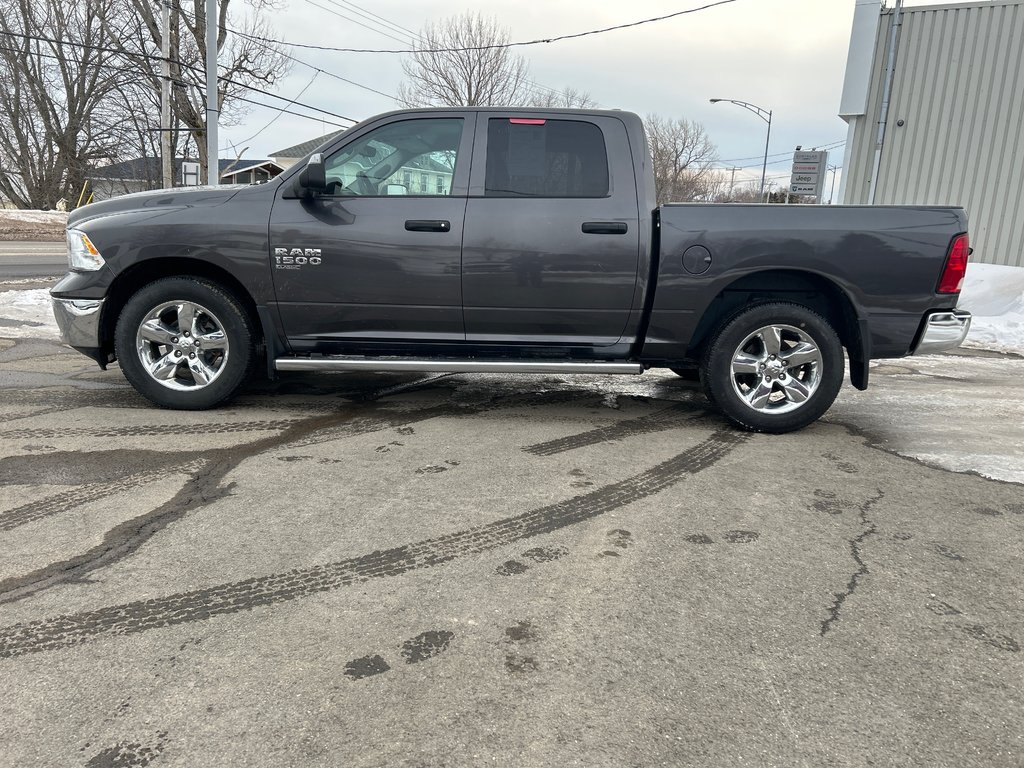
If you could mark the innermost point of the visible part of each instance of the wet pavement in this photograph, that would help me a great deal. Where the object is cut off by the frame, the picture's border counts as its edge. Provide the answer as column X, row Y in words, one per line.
column 380, row 570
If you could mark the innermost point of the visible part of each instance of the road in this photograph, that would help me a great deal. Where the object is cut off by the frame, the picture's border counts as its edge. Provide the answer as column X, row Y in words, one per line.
column 25, row 259
column 558, row 571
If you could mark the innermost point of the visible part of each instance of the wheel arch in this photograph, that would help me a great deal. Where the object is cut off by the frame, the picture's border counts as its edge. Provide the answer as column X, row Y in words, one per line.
column 808, row 289
column 145, row 272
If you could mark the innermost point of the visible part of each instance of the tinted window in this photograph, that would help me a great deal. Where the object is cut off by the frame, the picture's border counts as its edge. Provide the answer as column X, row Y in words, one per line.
column 391, row 160
column 555, row 158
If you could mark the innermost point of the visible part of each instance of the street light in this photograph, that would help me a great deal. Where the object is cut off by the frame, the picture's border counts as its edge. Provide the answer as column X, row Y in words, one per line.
column 764, row 114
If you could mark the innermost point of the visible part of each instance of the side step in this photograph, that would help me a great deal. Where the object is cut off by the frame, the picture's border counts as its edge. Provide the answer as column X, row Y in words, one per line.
column 440, row 365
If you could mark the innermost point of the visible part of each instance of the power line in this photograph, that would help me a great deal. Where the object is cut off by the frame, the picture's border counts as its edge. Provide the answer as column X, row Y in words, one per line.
column 180, row 63
column 341, row 15
column 182, row 84
column 536, row 88
column 517, row 44
column 385, row 22
column 260, row 41
column 280, row 112
column 313, row 66
column 289, row 112
column 829, row 145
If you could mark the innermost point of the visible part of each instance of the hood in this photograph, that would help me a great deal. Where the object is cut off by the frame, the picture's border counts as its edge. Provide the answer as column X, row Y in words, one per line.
column 156, row 199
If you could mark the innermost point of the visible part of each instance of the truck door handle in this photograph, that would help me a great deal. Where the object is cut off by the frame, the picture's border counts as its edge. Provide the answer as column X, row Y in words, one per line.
column 428, row 225
column 605, row 227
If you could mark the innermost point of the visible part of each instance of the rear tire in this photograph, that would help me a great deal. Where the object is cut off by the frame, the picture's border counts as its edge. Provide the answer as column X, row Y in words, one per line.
column 184, row 343
column 774, row 367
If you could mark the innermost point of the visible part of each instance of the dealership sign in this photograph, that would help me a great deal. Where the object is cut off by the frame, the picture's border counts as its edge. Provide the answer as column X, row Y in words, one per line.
column 808, row 174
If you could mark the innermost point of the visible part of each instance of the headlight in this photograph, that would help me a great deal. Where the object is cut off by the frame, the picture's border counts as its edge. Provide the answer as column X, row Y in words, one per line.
column 82, row 254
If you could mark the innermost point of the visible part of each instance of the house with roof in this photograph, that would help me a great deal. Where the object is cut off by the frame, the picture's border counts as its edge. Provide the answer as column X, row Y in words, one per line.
column 144, row 173
column 289, row 156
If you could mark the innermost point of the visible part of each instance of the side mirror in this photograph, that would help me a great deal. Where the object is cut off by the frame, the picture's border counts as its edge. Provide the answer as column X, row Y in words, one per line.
column 313, row 178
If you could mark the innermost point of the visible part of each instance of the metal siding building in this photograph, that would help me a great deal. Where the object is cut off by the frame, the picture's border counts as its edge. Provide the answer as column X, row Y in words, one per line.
column 958, row 88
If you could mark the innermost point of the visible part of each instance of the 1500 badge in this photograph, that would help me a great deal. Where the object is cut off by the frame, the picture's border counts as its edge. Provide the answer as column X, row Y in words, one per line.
column 293, row 258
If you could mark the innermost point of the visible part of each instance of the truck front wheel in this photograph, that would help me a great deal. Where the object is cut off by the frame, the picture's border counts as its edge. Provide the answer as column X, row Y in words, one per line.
column 774, row 367
column 184, row 343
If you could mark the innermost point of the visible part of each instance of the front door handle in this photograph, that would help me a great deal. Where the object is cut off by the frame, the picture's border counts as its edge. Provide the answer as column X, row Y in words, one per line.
column 428, row 225
column 604, row 227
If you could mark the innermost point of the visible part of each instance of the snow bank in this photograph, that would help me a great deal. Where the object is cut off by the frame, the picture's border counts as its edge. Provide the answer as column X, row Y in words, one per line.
column 994, row 294
column 27, row 314
column 35, row 217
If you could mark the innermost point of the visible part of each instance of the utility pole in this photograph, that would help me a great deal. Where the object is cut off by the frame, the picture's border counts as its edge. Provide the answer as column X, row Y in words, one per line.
column 832, row 168
column 212, row 107
column 166, row 159
column 732, row 179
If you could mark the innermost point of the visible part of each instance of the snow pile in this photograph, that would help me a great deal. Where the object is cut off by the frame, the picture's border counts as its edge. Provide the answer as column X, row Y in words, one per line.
column 42, row 226
column 994, row 295
column 35, row 217
column 27, row 314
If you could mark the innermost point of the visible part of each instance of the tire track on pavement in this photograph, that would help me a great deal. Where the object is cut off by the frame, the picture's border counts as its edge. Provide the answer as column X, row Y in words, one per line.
column 199, row 605
column 85, row 494
column 147, row 430
column 659, row 421
column 204, row 486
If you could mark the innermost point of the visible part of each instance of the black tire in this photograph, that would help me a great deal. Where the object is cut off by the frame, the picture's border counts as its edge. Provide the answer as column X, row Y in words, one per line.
column 778, row 393
column 185, row 343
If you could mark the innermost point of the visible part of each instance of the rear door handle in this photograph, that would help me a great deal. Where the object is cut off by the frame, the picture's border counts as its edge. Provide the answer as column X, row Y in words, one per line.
column 428, row 225
column 605, row 227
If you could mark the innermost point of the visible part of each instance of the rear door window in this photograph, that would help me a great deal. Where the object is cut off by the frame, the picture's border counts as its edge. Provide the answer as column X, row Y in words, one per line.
column 531, row 157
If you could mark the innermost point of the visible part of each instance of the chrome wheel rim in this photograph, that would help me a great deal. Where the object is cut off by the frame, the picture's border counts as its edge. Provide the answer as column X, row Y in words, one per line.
column 182, row 345
column 776, row 369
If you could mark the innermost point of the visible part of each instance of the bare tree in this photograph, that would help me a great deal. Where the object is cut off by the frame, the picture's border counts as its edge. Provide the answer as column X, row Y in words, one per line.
column 750, row 192
column 567, row 98
column 683, row 156
column 459, row 62
column 244, row 59
column 55, row 117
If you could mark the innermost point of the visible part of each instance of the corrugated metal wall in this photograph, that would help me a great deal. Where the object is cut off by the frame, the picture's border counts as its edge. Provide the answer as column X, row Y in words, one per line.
column 959, row 88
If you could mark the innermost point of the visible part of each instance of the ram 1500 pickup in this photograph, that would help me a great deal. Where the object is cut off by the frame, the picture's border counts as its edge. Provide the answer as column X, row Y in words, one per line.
column 505, row 240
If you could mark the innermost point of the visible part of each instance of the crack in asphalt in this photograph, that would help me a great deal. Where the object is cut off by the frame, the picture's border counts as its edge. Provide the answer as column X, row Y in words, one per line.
column 199, row 605
column 868, row 528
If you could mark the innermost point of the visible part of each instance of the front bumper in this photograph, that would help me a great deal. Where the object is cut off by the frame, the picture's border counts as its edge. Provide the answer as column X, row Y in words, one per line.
column 942, row 331
column 79, row 321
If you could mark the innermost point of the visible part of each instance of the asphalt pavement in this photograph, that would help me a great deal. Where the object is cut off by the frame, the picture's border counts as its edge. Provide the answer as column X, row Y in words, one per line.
column 26, row 259
column 391, row 570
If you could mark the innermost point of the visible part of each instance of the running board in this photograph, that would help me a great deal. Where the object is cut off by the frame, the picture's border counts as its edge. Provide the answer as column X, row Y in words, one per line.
column 435, row 365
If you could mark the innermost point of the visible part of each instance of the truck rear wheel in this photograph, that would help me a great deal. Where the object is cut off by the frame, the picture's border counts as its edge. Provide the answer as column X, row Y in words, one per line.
column 774, row 367
column 184, row 343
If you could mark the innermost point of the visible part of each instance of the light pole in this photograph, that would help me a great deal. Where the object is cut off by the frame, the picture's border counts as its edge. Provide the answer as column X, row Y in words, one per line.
column 764, row 114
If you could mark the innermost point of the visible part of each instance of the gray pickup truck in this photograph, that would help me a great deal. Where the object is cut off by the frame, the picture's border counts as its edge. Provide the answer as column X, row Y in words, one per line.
column 505, row 240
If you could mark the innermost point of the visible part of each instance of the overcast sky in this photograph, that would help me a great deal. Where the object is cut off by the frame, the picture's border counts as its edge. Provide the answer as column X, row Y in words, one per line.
column 785, row 55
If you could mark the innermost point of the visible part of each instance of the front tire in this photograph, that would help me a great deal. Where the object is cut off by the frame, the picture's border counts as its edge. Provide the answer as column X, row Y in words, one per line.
column 184, row 343
column 774, row 367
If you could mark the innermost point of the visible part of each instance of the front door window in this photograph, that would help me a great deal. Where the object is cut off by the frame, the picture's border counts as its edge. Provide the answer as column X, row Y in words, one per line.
column 396, row 159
